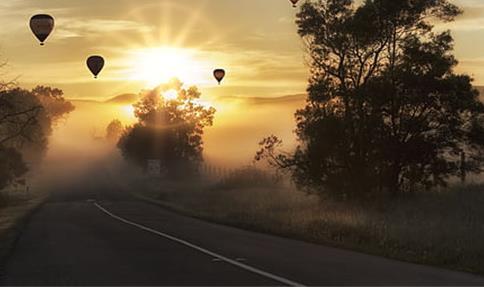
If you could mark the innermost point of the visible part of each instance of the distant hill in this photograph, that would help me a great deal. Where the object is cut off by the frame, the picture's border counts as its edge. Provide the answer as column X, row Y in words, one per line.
column 297, row 98
column 123, row 99
column 267, row 100
column 83, row 101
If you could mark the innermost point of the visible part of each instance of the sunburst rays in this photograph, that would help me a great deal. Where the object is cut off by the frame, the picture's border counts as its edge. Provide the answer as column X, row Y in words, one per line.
column 169, row 46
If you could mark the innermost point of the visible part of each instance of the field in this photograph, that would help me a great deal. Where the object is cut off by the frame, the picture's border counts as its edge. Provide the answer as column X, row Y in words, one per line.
column 442, row 228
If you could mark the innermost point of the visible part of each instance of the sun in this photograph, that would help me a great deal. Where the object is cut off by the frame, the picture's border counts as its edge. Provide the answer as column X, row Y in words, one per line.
column 159, row 65
column 128, row 111
column 170, row 95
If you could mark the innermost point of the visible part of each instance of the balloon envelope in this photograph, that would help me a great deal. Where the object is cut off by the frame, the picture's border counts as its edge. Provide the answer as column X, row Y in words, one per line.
column 95, row 64
column 42, row 25
column 294, row 2
column 219, row 74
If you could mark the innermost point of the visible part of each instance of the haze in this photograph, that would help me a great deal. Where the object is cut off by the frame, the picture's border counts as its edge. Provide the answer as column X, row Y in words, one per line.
column 241, row 142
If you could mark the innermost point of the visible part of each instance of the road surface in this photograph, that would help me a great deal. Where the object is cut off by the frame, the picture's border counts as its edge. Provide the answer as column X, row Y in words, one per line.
column 95, row 235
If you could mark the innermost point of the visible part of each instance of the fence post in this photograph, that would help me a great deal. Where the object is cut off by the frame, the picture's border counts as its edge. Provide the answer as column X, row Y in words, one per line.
column 463, row 173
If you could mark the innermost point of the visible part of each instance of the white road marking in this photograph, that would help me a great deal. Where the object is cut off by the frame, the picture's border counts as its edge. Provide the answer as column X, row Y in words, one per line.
column 203, row 250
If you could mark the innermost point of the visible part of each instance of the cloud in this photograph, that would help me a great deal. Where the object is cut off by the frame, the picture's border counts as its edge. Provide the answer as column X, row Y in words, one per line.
column 80, row 27
column 471, row 20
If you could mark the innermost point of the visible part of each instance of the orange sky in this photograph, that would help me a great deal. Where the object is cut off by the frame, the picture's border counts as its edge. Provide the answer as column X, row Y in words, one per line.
column 254, row 40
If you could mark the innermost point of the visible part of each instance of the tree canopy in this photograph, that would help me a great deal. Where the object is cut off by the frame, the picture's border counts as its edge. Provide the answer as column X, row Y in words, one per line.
column 385, row 111
column 170, row 128
column 114, row 130
column 26, row 120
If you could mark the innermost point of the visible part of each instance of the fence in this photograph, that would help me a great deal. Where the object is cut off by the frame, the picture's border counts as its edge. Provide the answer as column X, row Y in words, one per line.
column 249, row 173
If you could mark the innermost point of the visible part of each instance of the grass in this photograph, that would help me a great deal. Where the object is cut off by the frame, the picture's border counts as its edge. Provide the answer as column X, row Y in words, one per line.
column 443, row 228
column 15, row 209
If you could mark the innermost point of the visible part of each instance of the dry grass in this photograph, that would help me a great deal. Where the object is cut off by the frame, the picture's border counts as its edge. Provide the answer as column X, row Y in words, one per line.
column 443, row 229
column 14, row 210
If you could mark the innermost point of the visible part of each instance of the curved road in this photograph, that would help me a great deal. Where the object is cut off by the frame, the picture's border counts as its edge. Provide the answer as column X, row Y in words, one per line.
column 96, row 236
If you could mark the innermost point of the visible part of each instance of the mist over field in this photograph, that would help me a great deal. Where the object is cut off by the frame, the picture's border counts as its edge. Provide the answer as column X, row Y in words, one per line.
column 79, row 143
column 240, row 123
column 78, row 146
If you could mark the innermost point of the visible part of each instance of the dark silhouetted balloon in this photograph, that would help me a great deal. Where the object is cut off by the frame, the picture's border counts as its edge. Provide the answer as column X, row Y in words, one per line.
column 42, row 25
column 95, row 65
column 219, row 74
column 294, row 2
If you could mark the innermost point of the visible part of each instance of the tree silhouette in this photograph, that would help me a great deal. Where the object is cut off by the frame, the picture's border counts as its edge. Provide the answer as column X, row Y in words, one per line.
column 385, row 111
column 23, row 120
column 114, row 130
column 52, row 100
column 26, row 119
column 11, row 166
column 169, row 129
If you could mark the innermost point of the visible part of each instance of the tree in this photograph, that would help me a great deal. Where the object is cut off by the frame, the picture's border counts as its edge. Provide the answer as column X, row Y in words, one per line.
column 23, row 119
column 385, row 110
column 170, row 128
column 26, row 119
column 12, row 166
column 114, row 130
column 53, row 101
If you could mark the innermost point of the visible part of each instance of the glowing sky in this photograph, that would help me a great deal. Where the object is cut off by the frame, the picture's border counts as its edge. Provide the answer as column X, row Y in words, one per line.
column 255, row 40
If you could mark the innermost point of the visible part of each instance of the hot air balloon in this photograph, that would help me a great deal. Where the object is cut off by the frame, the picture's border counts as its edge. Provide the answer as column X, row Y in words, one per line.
column 219, row 74
column 294, row 2
column 42, row 25
column 95, row 65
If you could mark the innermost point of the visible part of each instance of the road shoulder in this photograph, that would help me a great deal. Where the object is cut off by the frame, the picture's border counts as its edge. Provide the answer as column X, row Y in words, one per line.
column 13, row 220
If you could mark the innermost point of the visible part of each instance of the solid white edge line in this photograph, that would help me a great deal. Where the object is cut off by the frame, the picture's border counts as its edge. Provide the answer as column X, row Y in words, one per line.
column 203, row 250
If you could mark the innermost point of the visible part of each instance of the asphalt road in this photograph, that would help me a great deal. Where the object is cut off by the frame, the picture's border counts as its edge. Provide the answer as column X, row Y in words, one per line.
column 95, row 235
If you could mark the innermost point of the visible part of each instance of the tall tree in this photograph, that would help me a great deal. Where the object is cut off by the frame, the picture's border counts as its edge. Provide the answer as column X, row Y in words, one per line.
column 170, row 128
column 53, row 101
column 26, row 119
column 385, row 110
column 23, row 119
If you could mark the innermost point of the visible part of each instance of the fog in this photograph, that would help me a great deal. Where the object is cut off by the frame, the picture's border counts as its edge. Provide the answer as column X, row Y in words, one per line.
column 78, row 150
column 240, row 124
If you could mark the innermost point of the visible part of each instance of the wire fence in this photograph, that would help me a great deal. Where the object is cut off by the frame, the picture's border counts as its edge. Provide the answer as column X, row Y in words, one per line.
column 214, row 172
column 248, row 173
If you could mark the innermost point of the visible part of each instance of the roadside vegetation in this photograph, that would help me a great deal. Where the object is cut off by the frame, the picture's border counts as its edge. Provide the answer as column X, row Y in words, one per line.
column 15, row 208
column 27, row 119
column 442, row 228
column 386, row 113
